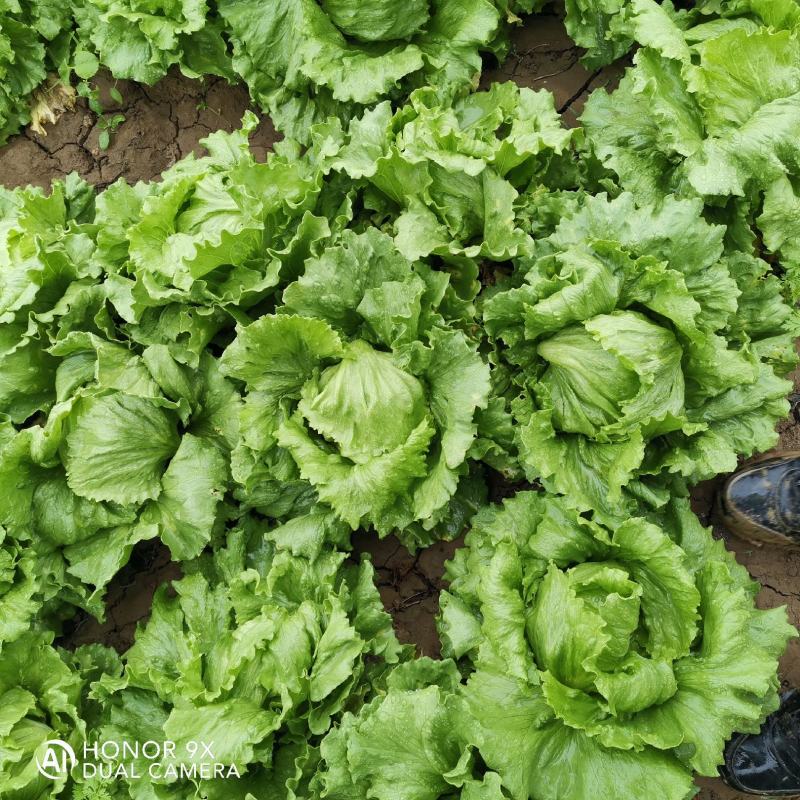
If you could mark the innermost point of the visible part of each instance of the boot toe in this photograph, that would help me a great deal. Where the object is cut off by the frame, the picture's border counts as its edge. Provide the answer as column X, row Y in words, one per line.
column 751, row 494
column 760, row 502
column 752, row 767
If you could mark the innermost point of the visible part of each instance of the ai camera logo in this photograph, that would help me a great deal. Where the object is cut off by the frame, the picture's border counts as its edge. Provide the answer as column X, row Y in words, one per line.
column 59, row 758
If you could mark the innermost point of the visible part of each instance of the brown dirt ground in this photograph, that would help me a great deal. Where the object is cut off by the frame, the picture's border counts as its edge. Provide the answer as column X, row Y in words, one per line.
column 164, row 123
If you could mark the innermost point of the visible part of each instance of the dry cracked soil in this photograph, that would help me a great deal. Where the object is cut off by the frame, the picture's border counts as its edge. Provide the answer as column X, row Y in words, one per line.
column 166, row 122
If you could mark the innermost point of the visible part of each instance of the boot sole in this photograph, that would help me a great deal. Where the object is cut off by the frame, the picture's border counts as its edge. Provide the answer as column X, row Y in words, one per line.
column 740, row 526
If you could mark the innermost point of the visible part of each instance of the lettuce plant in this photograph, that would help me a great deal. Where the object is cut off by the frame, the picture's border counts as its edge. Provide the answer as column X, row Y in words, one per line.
column 35, row 587
column 102, row 443
column 21, row 69
column 32, row 37
column 644, row 359
column 46, row 695
column 449, row 175
column 363, row 382
column 260, row 650
column 612, row 658
column 139, row 40
column 411, row 740
column 710, row 111
column 218, row 232
column 137, row 448
column 46, row 288
column 608, row 29
column 304, row 61
column 19, row 585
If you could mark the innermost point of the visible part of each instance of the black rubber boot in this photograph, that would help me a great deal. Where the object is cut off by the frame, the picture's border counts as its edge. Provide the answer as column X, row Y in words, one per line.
column 768, row 763
column 761, row 502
